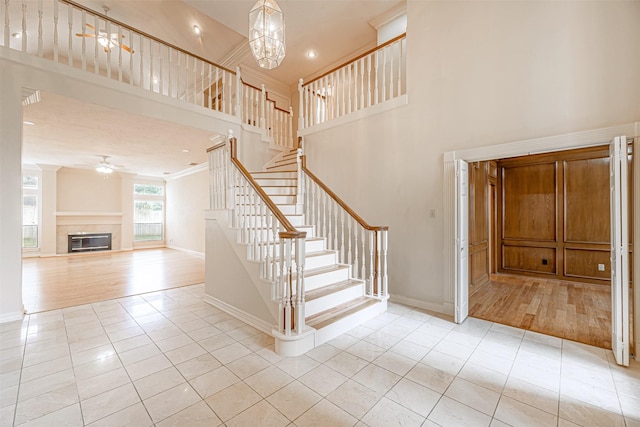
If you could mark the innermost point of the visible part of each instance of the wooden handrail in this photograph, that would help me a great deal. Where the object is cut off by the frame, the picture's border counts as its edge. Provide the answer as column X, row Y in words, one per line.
column 267, row 93
column 362, row 55
column 215, row 147
column 344, row 206
column 142, row 33
column 290, row 230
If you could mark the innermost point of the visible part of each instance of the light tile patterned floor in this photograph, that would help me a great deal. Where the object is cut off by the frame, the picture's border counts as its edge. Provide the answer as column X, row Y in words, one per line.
column 168, row 359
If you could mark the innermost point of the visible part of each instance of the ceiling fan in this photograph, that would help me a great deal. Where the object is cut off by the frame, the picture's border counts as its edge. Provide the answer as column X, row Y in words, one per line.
column 105, row 166
column 106, row 40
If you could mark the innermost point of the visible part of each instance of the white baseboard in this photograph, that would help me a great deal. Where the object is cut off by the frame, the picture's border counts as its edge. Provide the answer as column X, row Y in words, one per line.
column 438, row 308
column 247, row 318
column 189, row 251
column 11, row 317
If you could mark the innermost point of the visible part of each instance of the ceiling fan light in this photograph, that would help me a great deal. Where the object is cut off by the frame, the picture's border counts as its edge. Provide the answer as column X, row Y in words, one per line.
column 103, row 169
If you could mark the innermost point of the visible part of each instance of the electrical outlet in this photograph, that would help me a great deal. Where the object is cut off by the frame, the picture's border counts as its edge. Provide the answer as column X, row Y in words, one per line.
column 600, row 267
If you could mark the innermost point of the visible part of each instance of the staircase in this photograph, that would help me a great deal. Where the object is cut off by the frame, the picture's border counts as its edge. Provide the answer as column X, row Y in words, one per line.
column 335, row 301
column 257, row 260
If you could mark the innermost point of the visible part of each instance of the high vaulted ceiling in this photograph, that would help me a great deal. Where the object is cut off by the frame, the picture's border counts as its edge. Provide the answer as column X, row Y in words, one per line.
column 335, row 29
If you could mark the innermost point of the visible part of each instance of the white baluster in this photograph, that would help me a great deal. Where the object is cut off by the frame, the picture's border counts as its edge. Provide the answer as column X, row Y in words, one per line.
column 400, row 53
column 83, row 54
column 96, row 64
column 108, row 48
column 130, row 59
column 350, row 260
column 224, row 95
column 120, row 37
column 371, row 262
column 335, row 223
column 369, row 80
column 391, row 62
column 376, row 79
column 24, row 26
column 55, row 30
column 385, row 278
column 357, row 272
column 355, row 86
column 301, row 124
column 141, row 82
column 40, row 14
column 70, row 25
column 362, row 63
column 363, row 257
column 384, row 75
column 239, row 89
column 342, row 253
column 349, row 82
column 195, row 81
column 291, row 143
column 300, row 311
column 7, row 25
column 209, row 101
column 263, row 101
column 343, row 96
column 286, row 274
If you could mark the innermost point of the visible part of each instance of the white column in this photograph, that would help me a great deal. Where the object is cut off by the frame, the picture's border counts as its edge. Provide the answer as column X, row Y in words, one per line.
column 48, row 202
column 126, row 228
column 11, row 307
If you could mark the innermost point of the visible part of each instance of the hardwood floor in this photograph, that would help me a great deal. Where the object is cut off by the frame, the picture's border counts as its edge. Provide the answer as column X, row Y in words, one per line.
column 64, row 281
column 575, row 311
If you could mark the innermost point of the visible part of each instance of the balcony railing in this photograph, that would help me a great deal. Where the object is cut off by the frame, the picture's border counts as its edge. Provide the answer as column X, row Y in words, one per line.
column 147, row 231
column 29, row 236
column 372, row 78
column 68, row 33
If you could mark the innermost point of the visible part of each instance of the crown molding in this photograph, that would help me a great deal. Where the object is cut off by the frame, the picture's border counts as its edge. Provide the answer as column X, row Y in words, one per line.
column 393, row 13
column 186, row 172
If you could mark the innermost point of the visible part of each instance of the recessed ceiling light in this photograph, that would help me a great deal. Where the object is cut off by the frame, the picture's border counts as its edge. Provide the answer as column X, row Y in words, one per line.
column 16, row 35
column 27, row 122
column 311, row 54
column 184, row 150
column 197, row 30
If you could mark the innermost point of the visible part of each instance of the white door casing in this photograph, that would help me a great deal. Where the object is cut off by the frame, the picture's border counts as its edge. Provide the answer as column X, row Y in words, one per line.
column 462, row 241
column 619, row 251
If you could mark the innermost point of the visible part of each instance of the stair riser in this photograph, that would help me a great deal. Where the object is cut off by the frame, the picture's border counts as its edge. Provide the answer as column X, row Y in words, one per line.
column 319, row 280
column 277, row 199
column 275, row 174
column 266, row 182
column 332, row 300
column 320, row 261
column 277, row 191
column 282, row 168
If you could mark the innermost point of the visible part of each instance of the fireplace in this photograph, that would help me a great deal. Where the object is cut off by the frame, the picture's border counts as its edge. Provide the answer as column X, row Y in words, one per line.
column 87, row 242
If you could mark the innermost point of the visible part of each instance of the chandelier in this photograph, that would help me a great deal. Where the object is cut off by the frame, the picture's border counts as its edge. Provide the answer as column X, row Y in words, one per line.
column 266, row 33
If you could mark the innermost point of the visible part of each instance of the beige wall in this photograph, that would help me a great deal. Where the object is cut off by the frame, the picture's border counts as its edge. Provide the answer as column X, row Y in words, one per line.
column 478, row 73
column 84, row 190
column 187, row 197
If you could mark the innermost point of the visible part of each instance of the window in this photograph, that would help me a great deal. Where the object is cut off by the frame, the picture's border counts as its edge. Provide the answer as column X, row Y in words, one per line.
column 30, row 211
column 148, row 212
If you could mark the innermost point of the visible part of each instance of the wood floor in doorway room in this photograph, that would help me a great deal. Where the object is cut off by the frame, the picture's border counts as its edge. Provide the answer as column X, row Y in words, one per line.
column 575, row 311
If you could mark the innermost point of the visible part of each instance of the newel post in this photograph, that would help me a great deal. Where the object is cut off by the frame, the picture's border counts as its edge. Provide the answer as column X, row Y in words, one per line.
column 301, row 111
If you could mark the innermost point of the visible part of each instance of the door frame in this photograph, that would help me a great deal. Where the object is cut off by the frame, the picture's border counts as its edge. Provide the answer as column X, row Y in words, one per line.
column 563, row 142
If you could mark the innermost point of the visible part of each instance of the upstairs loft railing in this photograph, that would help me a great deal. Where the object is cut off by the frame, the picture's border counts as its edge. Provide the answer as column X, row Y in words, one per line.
column 270, row 238
column 359, row 244
column 372, row 78
column 261, row 111
column 66, row 32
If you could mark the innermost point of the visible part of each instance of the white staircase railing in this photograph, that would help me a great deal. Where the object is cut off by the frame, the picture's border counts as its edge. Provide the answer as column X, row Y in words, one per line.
column 259, row 110
column 270, row 238
column 66, row 32
column 372, row 78
column 358, row 243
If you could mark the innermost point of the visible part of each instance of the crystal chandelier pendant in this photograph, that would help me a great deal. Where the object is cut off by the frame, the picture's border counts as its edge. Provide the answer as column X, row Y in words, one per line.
column 266, row 33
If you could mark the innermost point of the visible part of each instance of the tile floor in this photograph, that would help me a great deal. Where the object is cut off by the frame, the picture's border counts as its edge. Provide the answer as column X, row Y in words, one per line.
column 168, row 359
